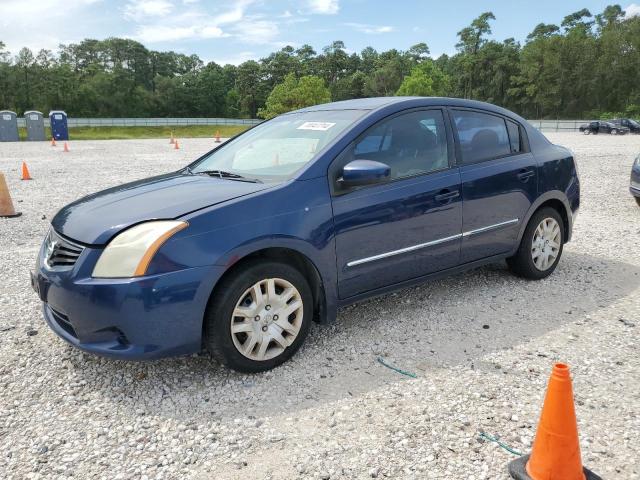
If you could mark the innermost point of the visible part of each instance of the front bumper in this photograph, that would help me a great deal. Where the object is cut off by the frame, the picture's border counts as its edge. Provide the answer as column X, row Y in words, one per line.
column 634, row 187
column 134, row 319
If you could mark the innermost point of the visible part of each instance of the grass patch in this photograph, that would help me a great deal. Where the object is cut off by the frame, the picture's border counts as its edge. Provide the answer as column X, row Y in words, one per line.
column 128, row 133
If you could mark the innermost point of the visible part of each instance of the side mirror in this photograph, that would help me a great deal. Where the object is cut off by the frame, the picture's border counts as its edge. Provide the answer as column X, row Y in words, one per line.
column 364, row 172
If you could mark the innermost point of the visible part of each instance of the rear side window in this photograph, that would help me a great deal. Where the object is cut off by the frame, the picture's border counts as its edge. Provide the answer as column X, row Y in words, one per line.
column 514, row 136
column 482, row 136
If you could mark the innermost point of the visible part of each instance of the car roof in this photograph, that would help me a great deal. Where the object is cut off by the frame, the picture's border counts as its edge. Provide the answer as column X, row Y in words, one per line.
column 375, row 103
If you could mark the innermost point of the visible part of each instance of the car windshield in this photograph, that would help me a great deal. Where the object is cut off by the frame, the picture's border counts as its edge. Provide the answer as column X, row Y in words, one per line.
column 275, row 150
column 634, row 123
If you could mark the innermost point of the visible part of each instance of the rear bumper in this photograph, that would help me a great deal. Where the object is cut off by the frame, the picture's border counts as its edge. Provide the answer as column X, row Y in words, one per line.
column 133, row 319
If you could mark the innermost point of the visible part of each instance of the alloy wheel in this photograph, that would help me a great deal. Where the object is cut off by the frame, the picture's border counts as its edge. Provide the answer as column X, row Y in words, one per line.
column 545, row 247
column 267, row 319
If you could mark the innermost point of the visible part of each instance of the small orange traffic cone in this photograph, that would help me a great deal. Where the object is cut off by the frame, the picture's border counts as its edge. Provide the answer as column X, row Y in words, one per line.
column 556, row 449
column 66, row 147
column 217, row 136
column 25, row 172
column 53, row 142
column 6, row 204
column 175, row 145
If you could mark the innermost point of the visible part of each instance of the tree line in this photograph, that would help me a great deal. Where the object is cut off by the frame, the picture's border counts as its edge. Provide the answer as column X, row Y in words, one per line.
column 586, row 67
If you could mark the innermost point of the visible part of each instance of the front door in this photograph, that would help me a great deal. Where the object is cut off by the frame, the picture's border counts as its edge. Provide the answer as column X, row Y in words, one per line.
column 499, row 182
column 407, row 226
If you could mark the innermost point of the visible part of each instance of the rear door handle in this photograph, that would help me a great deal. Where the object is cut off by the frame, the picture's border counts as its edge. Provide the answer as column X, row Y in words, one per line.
column 446, row 196
column 524, row 175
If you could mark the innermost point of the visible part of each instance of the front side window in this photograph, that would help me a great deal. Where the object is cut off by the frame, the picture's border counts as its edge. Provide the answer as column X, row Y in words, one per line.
column 275, row 150
column 411, row 144
column 482, row 136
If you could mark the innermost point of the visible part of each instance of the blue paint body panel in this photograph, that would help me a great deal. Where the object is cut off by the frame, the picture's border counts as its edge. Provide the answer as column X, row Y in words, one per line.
column 365, row 242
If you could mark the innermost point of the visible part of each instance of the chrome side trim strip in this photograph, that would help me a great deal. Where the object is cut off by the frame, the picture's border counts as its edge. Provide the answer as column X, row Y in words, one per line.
column 403, row 250
column 491, row 227
column 432, row 243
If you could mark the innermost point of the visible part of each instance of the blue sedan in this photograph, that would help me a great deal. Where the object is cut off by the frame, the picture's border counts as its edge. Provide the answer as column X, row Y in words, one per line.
column 310, row 211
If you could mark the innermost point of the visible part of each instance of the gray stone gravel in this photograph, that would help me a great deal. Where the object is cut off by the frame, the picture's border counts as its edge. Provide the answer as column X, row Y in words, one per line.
column 333, row 412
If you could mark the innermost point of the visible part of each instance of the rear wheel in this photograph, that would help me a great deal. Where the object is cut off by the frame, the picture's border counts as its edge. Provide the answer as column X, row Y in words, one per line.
column 586, row 131
column 614, row 131
column 259, row 316
column 541, row 246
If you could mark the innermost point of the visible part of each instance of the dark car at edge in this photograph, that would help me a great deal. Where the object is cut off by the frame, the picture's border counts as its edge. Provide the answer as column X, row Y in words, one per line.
column 303, row 214
column 634, row 184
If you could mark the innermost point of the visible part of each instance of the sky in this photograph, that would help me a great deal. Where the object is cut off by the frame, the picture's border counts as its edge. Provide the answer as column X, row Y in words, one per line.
column 232, row 31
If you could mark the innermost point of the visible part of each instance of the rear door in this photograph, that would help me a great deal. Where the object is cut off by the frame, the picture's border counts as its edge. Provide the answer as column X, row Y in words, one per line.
column 499, row 181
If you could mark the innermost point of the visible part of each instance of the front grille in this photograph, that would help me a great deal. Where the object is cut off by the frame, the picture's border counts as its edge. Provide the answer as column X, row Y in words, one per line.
column 63, row 321
column 60, row 252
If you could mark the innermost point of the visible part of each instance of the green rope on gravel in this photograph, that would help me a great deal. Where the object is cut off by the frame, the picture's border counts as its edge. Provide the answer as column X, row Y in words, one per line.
column 408, row 374
column 486, row 436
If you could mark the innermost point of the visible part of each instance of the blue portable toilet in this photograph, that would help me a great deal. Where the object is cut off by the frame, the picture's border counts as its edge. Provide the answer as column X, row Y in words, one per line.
column 58, row 121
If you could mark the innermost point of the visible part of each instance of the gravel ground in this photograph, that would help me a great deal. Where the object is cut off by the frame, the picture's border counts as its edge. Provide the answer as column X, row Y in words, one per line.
column 481, row 344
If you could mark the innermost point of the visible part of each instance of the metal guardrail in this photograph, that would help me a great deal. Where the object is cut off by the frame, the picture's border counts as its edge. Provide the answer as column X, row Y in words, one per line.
column 149, row 122
column 558, row 125
column 542, row 125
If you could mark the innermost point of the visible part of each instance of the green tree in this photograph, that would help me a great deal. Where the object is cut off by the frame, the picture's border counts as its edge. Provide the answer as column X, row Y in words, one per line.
column 426, row 80
column 293, row 94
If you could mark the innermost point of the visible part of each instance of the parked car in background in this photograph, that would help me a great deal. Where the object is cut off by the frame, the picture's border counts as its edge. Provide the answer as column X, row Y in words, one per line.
column 634, row 186
column 300, row 215
column 603, row 127
column 632, row 125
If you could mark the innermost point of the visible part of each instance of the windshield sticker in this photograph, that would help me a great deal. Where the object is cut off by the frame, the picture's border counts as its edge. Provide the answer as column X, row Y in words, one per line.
column 320, row 126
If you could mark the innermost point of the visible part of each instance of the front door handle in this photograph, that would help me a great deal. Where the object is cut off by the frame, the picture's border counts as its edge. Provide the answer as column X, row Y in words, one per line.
column 447, row 196
column 525, row 175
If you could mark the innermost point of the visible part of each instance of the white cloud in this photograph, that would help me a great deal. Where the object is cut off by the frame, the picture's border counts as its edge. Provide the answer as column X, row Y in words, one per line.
column 324, row 7
column 256, row 30
column 23, row 23
column 632, row 10
column 369, row 29
column 234, row 59
column 140, row 10
column 193, row 21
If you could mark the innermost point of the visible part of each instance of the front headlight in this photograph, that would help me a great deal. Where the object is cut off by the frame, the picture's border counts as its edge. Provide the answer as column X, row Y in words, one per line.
column 130, row 252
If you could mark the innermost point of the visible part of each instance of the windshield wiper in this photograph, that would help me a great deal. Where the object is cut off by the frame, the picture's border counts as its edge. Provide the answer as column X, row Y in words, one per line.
column 229, row 175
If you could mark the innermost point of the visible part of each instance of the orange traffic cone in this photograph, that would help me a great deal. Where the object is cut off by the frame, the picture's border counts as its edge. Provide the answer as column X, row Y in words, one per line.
column 217, row 136
column 6, row 204
column 556, row 449
column 25, row 172
column 53, row 142
column 175, row 145
column 66, row 147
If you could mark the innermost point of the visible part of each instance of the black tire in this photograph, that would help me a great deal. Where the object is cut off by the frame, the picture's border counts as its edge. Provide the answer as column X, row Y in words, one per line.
column 637, row 200
column 218, row 336
column 522, row 263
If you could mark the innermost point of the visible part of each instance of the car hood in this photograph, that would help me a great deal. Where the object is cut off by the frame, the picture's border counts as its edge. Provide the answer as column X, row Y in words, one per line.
column 96, row 218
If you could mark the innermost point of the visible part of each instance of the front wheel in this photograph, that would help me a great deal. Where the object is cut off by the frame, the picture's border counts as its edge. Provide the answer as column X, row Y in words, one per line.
column 637, row 200
column 586, row 131
column 259, row 316
column 614, row 131
column 541, row 246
